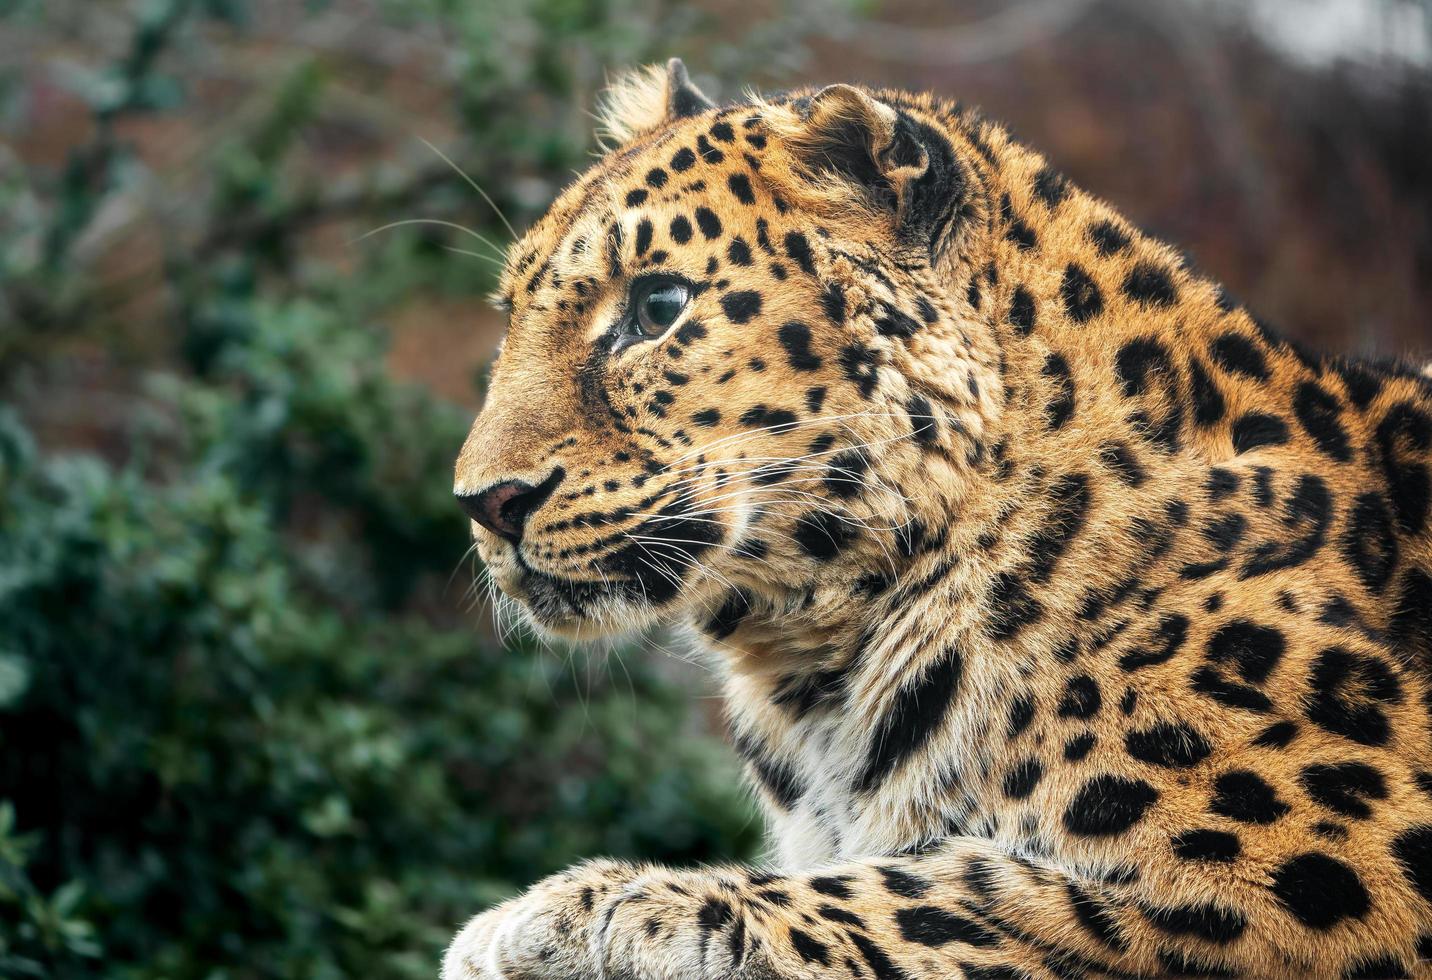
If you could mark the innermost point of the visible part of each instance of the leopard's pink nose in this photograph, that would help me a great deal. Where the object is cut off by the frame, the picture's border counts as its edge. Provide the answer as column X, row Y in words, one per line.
column 503, row 507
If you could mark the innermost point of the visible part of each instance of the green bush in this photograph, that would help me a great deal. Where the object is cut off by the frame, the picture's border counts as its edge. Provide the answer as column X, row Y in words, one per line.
column 248, row 726
column 223, row 756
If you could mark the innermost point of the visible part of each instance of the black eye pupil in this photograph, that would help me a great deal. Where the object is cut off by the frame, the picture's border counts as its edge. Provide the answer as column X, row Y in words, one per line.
column 659, row 308
column 665, row 306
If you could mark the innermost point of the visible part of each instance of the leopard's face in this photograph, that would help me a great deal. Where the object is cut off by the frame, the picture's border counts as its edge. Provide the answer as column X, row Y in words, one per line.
column 699, row 395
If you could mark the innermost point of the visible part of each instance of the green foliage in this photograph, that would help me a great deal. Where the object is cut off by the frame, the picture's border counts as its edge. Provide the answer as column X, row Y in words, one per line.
column 246, row 728
column 227, row 770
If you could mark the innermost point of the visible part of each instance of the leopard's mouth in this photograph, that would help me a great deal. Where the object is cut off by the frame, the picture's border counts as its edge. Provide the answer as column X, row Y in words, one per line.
column 586, row 610
column 557, row 597
column 644, row 578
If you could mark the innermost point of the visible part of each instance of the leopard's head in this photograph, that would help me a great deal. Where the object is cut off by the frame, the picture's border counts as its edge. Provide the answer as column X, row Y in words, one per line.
column 718, row 377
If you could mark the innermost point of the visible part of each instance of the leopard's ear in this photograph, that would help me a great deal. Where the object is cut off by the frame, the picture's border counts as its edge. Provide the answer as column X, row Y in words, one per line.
column 645, row 99
column 848, row 140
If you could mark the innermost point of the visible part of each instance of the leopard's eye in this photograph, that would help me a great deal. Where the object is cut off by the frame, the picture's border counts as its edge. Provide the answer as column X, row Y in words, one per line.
column 657, row 304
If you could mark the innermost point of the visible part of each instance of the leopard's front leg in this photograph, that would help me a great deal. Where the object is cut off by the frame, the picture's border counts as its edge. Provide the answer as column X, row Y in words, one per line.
column 896, row 919
column 964, row 909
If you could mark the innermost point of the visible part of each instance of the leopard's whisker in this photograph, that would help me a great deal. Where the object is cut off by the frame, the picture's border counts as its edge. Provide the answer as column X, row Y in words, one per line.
column 475, row 186
column 429, row 221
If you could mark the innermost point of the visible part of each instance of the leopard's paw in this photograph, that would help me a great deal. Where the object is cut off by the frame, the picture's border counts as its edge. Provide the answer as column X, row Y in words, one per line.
column 548, row 933
column 468, row 954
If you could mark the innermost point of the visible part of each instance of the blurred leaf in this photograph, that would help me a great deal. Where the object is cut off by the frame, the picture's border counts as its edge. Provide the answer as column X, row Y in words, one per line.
column 14, row 679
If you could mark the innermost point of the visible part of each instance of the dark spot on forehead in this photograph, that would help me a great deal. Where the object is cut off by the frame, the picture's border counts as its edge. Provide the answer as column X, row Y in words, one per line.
column 740, row 185
column 763, row 236
column 740, row 307
column 709, row 224
column 684, row 159
column 690, row 332
column 708, row 152
column 795, row 337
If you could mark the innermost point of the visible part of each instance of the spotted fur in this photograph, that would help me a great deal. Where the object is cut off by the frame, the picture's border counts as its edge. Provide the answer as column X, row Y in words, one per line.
column 1072, row 623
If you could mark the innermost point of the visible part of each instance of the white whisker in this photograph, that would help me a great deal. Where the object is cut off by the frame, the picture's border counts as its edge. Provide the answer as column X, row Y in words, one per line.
column 430, row 221
column 474, row 185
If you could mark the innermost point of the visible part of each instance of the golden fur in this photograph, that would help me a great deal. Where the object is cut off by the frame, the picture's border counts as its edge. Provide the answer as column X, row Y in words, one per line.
column 1072, row 623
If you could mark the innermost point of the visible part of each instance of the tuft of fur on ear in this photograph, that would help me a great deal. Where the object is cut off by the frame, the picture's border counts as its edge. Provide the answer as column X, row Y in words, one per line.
column 635, row 103
column 850, row 136
column 859, row 150
column 647, row 98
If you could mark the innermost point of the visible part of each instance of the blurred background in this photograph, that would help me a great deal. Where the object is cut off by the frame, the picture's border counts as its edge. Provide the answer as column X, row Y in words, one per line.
column 255, row 721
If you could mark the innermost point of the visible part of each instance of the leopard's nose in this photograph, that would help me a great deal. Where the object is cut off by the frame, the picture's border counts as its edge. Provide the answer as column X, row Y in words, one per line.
column 503, row 507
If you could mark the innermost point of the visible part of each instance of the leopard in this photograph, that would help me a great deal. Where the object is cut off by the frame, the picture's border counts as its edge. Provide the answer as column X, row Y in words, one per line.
column 1069, row 621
